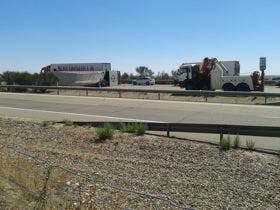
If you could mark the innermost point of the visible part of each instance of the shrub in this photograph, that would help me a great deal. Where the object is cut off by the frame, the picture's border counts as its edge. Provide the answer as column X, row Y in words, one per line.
column 68, row 122
column 46, row 123
column 104, row 133
column 236, row 142
column 250, row 144
column 225, row 143
column 137, row 128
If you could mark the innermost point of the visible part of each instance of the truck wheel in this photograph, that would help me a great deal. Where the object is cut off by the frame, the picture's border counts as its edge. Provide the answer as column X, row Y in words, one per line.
column 242, row 87
column 228, row 87
column 189, row 86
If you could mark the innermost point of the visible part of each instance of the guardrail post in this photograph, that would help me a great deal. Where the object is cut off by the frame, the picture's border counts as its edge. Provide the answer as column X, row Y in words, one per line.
column 57, row 90
column 265, row 100
column 168, row 130
column 205, row 98
column 120, row 94
column 221, row 134
column 158, row 96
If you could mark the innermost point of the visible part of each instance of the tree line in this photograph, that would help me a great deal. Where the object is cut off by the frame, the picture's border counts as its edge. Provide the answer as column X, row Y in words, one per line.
column 26, row 78
column 142, row 71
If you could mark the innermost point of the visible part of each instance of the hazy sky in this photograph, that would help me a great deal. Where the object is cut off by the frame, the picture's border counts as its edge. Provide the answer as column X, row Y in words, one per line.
column 160, row 34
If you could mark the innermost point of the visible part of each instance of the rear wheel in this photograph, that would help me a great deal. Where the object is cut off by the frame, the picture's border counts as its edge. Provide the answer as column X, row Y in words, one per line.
column 188, row 86
column 228, row 87
column 242, row 87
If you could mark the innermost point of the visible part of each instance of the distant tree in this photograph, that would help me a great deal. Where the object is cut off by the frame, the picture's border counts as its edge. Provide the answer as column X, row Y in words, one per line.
column 124, row 76
column 162, row 76
column 173, row 75
column 144, row 71
column 25, row 78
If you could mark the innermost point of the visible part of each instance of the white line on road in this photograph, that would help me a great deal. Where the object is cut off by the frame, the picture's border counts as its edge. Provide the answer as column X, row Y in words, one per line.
column 77, row 114
column 149, row 100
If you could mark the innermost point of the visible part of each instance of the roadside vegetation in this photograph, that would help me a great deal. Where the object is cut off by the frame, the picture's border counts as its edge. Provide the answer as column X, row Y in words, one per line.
column 136, row 128
column 65, row 168
column 250, row 144
column 225, row 143
column 26, row 78
column 106, row 132
column 67, row 122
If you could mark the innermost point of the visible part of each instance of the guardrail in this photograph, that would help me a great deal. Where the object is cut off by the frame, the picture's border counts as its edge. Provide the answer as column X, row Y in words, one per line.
column 221, row 129
column 203, row 93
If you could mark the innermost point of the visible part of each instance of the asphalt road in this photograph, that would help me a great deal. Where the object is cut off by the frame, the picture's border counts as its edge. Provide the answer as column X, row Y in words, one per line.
column 51, row 107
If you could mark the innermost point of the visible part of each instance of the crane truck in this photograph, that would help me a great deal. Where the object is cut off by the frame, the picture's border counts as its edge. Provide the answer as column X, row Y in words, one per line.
column 211, row 74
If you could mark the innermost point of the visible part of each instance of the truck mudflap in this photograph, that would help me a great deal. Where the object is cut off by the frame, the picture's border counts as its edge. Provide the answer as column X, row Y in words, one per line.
column 256, row 81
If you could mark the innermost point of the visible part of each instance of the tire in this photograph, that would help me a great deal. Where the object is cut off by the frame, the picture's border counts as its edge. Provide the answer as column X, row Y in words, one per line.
column 134, row 83
column 147, row 83
column 242, row 87
column 229, row 87
column 189, row 86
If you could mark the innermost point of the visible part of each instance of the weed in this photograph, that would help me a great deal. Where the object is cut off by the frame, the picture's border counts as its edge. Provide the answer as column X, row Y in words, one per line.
column 225, row 143
column 46, row 123
column 68, row 122
column 104, row 133
column 137, row 128
column 250, row 144
column 236, row 142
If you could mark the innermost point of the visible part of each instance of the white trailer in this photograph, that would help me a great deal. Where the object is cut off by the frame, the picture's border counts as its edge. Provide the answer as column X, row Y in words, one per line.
column 85, row 74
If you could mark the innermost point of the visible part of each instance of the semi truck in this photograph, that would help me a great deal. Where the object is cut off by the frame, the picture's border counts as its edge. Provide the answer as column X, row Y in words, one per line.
column 84, row 74
column 211, row 74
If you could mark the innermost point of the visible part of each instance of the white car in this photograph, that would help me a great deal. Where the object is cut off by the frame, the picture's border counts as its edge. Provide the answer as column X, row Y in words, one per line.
column 144, row 81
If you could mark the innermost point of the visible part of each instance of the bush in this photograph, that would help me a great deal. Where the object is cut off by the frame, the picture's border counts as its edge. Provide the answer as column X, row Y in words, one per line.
column 68, row 122
column 250, row 144
column 104, row 133
column 225, row 143
column 236, row 142
column 46, row 123
column 137, row 128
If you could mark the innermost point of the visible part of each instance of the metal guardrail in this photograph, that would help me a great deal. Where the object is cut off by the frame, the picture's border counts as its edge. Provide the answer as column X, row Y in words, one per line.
column 203, row 93
column 266, row 131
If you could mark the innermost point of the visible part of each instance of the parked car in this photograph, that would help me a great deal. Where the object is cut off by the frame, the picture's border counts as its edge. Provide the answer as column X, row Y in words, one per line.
column 278, row 83
column 144, row 81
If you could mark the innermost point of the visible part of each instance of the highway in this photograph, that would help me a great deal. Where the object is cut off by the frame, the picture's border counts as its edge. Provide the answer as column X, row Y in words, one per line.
column 52, row 107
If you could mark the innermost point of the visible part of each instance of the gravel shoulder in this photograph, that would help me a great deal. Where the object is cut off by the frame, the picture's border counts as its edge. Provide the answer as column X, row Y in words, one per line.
column 194, row 174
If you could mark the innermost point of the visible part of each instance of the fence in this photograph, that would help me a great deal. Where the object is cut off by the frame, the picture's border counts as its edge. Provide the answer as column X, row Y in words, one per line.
column 43, row 184
column 202, row 93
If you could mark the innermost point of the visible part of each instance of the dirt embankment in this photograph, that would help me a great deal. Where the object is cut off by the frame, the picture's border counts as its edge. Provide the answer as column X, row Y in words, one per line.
column 191, row 174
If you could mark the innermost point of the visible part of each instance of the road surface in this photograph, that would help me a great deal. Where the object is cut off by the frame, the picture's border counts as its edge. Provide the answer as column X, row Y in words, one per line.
column 52, row 107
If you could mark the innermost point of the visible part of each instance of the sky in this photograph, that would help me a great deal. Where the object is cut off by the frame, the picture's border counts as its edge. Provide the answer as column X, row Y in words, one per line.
column 159, row 34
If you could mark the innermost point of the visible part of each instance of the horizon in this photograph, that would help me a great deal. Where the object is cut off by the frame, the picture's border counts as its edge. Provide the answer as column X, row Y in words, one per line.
column 158, row 34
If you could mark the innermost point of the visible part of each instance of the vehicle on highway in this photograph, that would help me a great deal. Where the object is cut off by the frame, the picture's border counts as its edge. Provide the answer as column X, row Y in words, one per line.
column 144, row 81
column 211, row 74
column 277, row 83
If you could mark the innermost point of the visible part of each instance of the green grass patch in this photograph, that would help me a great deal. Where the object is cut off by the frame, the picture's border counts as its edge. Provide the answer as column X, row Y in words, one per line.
column 225, row 143
column 46, row 123
column 236, row 142
column 136, row 128
column 106, row 132
column 68, row 122
column 250, row 144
